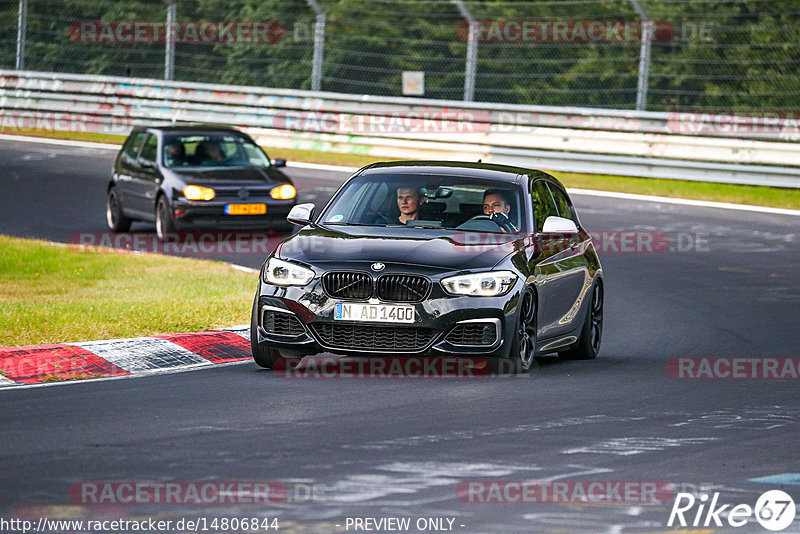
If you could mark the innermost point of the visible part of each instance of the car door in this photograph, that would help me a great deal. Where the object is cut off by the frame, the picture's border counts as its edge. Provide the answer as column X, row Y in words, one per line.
column 124, row 168
column 558, row 270
column 145, row 179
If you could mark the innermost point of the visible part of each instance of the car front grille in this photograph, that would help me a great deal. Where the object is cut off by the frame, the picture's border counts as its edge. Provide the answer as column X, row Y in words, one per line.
column 473, row 334
column 281, row 324
column 347, row 285
column 374, row 337
column 403, row 288
column 236, row 193
column 390, row 287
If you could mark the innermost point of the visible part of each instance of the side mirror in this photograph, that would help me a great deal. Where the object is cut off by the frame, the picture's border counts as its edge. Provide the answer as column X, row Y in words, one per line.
column 279, row 163
column 301, row 214
column 559, row 225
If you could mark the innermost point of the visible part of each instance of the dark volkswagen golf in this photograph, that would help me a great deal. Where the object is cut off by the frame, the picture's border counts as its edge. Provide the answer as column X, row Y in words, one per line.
column 434, row 259
column 196, row 176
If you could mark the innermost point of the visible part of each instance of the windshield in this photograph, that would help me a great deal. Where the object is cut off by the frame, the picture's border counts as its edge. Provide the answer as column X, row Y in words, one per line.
column 218, row 150
column 430, row 201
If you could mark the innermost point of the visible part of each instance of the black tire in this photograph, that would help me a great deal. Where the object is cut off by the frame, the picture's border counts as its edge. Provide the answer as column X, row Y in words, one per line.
column 116, row 220
column 263, row 356
column 592, row 332
column 165, row 223
column 523, row 345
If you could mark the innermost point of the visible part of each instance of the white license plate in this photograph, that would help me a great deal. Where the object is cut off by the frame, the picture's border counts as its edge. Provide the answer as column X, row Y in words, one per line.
column 380, row 313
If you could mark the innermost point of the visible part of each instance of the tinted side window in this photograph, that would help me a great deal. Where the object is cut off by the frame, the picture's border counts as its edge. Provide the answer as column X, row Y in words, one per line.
column 542, row 201
column 562, row 202
column 150, row 148
column 132, row 145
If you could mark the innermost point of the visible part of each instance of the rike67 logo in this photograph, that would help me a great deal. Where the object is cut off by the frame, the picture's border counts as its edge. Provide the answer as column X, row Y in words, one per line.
column 774, row 510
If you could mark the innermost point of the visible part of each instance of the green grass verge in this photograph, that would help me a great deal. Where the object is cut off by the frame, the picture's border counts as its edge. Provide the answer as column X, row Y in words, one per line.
column 737, row 194
column 52, row 294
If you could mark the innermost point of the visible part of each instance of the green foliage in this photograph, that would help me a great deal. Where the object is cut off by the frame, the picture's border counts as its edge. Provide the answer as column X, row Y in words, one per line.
column 741, row 55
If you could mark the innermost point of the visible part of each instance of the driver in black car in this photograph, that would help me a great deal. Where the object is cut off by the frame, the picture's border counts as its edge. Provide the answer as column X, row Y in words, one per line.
column 408, row 201
column 497, row 206
column 209, row 153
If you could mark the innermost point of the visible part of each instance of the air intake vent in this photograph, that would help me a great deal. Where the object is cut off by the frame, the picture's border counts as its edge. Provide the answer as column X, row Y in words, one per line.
column 473, row 334
column 281, row 324
column 374, row 337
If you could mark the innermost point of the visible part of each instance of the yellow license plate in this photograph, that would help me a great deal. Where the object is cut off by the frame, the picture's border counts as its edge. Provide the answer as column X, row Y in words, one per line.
column 246, row 209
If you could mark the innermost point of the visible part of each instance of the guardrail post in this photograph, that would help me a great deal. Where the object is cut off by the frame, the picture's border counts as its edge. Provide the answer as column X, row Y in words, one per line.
column 169, row 48
column 319, row 45
column 472, row 52
column 644, row 56
column 22, row 26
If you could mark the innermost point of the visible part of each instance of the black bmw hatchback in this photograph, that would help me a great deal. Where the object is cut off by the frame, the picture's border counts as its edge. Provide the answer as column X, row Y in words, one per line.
column 196, row 176
column 434, row 259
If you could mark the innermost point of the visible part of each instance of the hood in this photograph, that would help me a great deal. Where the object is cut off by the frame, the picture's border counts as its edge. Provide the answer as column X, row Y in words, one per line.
column 438, row 249
column 229, row 175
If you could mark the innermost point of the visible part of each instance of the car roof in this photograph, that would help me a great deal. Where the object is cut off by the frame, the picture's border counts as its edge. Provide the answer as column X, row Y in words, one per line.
column 189, row 129
column 492, row 171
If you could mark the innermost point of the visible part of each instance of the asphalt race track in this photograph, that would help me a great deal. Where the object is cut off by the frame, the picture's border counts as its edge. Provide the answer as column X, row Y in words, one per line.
column 721, row 283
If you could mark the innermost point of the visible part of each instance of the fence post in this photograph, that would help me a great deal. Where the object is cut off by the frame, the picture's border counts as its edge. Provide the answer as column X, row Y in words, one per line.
column 472, row 52
column 319, row 45
column 22, row 26
column 644, row 56
column 169, row 47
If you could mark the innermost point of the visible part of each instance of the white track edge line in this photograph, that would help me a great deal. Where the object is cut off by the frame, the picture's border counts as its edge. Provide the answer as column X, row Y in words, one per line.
column 685, row 202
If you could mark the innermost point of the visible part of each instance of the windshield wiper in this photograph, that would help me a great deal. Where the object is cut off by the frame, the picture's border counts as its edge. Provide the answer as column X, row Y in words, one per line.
column 426, row 227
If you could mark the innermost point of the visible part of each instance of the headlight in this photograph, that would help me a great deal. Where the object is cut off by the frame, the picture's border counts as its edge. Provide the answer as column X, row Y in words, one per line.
column 283, row 192
column 198, row 192
column 283, row 273
column 489, row 284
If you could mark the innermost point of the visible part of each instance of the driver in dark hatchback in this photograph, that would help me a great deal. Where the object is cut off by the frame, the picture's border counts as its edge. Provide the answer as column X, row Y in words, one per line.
column 196, row 176
column 454, row 280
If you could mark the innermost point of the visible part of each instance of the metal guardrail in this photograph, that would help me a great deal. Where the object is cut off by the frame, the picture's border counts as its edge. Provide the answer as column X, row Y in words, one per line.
column 738, row 150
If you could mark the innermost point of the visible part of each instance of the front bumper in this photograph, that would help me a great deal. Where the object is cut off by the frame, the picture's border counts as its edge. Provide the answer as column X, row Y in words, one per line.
column 211, row 214
column 436, row 317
